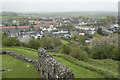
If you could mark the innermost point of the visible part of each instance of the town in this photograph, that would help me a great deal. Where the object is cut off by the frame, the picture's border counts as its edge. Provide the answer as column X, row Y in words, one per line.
column 64, row 27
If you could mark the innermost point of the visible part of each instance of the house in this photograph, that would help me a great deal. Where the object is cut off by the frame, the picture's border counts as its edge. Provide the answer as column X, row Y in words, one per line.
column 13, row 31
column 47, row 33
column 87, row 29
column 24, row 38
column 60, row 32
column 67, row 35
column 81, row 32
column 87, row 41
column 32, row 34
column 55, row 32
column 63, row 31
column 84, row 27
column 15, row 22
column 16, row 35
column 38, row 36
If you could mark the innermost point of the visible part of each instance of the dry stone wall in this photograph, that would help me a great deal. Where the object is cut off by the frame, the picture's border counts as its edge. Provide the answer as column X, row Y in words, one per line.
column 18, row 56
column 46, row 65
column 50, row 68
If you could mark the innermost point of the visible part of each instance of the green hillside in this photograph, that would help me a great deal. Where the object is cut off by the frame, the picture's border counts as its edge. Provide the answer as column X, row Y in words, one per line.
column 18, row 68
column 90, row 69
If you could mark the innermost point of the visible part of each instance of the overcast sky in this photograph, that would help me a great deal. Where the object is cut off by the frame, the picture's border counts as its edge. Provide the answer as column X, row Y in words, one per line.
column 59, row 5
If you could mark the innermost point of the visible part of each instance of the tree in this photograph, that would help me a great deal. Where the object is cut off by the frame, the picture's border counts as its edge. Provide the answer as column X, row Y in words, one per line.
column 32, row 27
column 16, row 27
column 74, row 34
column 109, row 20
column 4, row 34
column 10, row 41
column 96, row 35
column 104, row 47
column 34, row 43
column 56, row 42
column 6, row 24
column 47, row 43
column 34, row 23
column 81, row 39
column 64, row 26
column 99, row 31
column 69, row 26
column 25, row 22
column 65, row 49
column 97, row 52
column 78, row 53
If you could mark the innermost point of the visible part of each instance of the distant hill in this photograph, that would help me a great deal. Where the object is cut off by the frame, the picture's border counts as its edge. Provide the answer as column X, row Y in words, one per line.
column 9, row 14
column 97, row 14
column 75, row 14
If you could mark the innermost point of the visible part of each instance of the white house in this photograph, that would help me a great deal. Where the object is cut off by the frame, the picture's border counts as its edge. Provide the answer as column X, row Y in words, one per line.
column 82, row 34
column 25, row 38
column 38, row 36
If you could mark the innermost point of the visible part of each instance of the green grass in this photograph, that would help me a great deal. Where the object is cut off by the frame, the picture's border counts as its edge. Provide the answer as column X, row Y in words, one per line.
column 64, row 41
column 79, row 72
column 108, row 64
column 91, row 69
column 24, row 51
column 18, row 68
column 106, row 71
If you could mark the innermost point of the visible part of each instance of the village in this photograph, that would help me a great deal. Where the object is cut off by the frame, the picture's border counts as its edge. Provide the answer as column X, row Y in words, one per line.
column 63, row 27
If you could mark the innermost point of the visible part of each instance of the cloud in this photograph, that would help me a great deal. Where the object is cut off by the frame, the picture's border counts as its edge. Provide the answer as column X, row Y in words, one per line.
column 58, row 6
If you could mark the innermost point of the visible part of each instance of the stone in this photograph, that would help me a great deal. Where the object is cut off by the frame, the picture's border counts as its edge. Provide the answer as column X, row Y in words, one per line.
column 28, row 65
column 50, row 68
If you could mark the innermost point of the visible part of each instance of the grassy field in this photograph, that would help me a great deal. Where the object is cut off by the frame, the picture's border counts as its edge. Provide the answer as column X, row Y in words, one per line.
column 79, row 72
column 24, row 51
column 103, row 67
column 18, row 68
column 91, row 69
column 64, row 41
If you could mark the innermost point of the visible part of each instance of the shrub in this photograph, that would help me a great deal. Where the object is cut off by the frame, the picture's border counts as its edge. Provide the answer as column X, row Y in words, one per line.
column 113, row 52
column 11, row 42
column 4, row 35
column 65, row 49
column 104, row 47
column 81, row 39
column 56, row 42
column 24, row 44
column 78, row 53
column 97, row 53
column 34, row 43
column 47, row 43
column 96, row 35
column 74, row 34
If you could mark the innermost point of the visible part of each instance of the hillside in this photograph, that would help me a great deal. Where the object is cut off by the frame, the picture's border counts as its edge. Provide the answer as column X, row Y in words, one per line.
column 90, row 69
column 18, row 68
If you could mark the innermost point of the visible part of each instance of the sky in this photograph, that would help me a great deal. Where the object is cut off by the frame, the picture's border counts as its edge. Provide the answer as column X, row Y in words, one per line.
column 59, row 5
